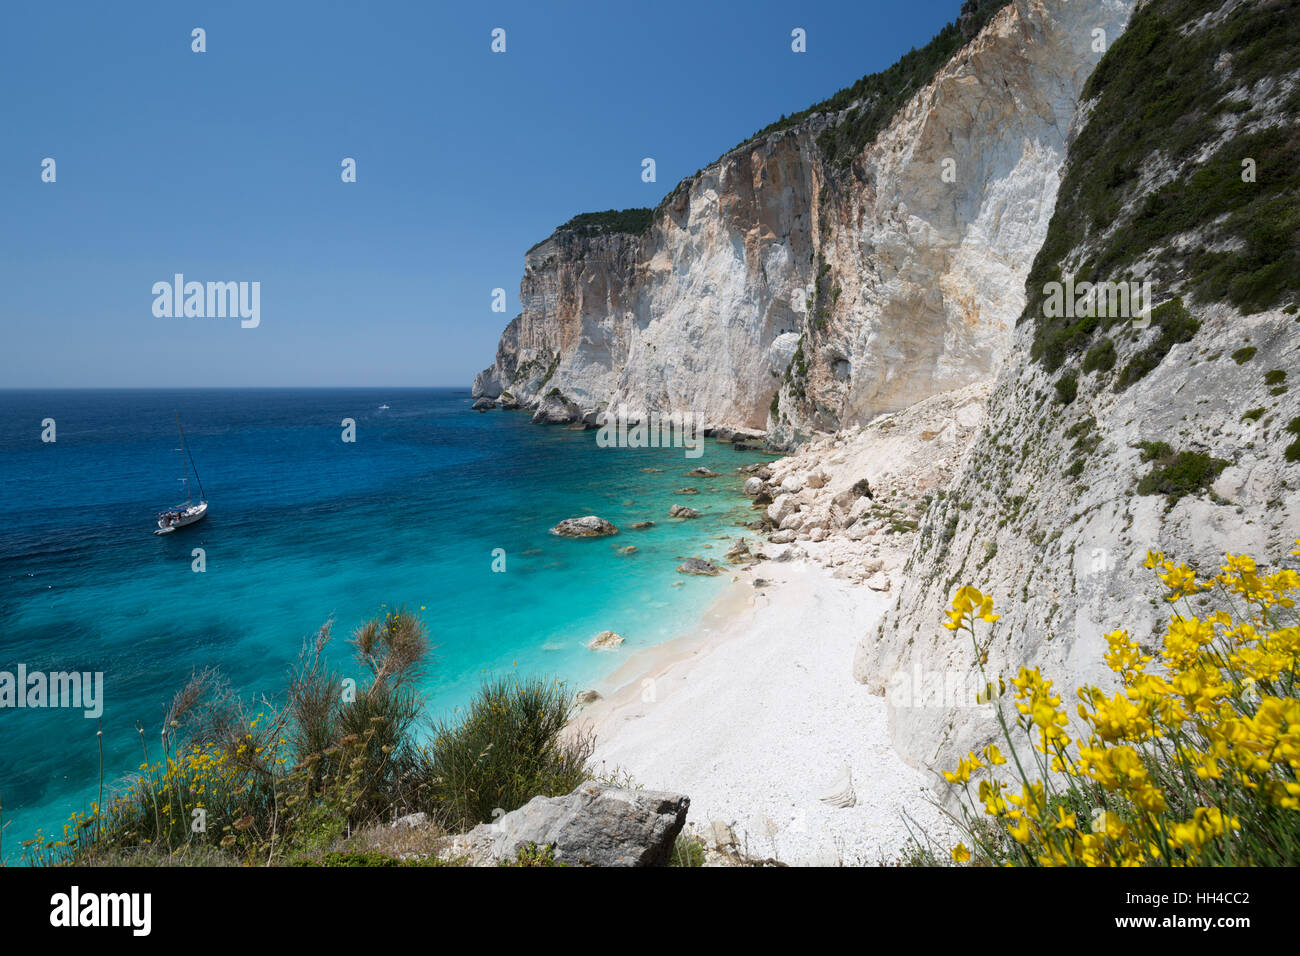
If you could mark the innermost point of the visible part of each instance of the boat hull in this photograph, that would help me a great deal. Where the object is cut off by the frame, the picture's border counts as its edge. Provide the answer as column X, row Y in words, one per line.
column 169, row 521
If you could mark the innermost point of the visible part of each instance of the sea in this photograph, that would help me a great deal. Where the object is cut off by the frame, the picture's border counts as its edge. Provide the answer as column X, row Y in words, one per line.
column 433, row 507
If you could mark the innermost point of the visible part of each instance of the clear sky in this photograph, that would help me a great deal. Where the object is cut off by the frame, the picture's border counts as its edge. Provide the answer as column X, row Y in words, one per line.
column 225, row 165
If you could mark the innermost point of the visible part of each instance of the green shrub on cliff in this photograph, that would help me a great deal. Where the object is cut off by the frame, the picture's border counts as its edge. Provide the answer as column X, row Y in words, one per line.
column 1292, row 451
column 630, row 221
column 1161, row 102
column 1176, row 475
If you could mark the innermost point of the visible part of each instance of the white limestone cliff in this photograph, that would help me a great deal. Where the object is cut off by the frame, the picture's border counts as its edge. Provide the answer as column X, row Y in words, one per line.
column 716, row 306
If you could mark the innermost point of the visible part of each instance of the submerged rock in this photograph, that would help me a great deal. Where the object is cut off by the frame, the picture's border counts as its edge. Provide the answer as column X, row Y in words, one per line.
column 642, row 525
column 698, row 566
column 605, row 641
column 701, row 472
column 589, row 526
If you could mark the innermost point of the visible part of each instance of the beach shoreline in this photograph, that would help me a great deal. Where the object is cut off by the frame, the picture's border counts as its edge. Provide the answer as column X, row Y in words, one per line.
column 754, row 714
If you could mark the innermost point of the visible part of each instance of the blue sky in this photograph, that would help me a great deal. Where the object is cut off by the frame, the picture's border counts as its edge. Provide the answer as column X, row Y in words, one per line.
column 225, row 166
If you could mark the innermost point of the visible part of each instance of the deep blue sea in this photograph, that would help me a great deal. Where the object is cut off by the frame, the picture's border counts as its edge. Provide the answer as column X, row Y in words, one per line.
column 302, row 528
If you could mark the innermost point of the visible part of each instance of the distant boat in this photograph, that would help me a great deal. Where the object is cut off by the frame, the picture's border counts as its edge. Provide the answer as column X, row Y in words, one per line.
column 190, row 512
column 383, row 408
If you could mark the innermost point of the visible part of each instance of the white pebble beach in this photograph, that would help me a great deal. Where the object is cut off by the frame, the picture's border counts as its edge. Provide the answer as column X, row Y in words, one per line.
column 756, row 714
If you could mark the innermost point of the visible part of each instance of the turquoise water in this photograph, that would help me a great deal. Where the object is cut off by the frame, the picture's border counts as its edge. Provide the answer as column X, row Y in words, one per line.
column 303, row 528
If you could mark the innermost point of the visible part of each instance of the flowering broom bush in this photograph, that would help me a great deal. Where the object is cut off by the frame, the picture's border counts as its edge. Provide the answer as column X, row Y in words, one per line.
column 1193, row 762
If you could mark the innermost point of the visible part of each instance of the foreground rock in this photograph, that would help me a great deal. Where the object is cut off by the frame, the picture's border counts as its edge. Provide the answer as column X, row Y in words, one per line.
column 698, row 566
column 605, row 640
column 586, row 527
column 681, row 511
column 595, row 825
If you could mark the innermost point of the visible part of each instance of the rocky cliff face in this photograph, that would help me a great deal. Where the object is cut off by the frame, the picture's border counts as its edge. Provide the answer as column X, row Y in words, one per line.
column 1106, row 437
column 784, row 289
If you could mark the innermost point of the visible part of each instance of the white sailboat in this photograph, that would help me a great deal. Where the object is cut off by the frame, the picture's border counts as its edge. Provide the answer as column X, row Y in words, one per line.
column 191, row 511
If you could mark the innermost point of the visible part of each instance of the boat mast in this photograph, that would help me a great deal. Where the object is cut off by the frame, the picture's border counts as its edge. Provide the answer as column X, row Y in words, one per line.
column 185, row 454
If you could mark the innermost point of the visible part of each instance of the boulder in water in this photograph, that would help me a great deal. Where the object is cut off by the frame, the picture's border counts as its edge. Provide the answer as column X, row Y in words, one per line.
column 605, row 641
column 589, row 526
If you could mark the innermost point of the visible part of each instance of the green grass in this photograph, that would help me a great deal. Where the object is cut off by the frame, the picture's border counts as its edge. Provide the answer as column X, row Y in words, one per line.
column 687, row 851
column 531, row 855
column 367, row 859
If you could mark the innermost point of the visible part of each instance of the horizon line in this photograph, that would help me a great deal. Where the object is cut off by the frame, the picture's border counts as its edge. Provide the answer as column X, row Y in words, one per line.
column 199, row 388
